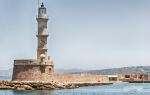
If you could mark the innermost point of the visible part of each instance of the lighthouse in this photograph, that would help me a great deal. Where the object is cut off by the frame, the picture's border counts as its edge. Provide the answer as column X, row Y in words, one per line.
column 41, row 68
column 42, row 35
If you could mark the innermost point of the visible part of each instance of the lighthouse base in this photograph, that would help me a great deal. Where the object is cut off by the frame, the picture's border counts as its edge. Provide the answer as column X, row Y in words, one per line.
column 30, row 70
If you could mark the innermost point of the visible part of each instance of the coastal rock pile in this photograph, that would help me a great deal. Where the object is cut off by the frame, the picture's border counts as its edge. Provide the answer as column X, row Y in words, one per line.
column 14, row 85
column 35, row 85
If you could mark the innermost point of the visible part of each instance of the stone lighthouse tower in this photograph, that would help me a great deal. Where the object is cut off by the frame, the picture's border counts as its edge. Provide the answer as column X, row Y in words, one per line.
column 42, row 35
column 42, row 68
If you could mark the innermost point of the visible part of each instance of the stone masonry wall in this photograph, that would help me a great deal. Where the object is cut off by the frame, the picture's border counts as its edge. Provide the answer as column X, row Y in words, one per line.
column 28, row 70
column 85, row 78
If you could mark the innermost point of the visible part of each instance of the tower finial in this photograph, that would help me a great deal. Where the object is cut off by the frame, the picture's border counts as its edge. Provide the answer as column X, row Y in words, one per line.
column 42, row 5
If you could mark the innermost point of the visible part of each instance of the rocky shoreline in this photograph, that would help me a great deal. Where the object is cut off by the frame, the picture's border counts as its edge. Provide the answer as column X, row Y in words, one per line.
column 14, row 85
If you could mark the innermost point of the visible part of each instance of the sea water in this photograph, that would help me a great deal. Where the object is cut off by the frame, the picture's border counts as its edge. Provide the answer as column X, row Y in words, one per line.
column 115, row 89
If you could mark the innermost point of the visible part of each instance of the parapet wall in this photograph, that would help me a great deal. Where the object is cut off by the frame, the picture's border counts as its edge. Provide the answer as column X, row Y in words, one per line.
column 30, row 70
column 83, row 78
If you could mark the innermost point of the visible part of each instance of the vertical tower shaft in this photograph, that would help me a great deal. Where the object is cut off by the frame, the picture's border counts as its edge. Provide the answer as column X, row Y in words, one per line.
column 42, row 35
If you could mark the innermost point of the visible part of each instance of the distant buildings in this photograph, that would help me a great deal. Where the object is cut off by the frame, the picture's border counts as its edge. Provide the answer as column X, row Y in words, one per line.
column 133, row 77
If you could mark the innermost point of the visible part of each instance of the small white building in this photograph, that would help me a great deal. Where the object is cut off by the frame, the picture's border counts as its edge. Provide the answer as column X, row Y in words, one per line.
column 112, row 77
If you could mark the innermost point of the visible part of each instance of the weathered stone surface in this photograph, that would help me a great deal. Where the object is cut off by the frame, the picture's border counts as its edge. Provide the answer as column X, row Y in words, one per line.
column 30, row 70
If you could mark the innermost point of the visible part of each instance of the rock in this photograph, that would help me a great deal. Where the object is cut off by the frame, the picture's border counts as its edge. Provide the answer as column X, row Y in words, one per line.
column 27, row 87
column 42, row 85
column 20, row 88
column 6, row 87
column 23, row 87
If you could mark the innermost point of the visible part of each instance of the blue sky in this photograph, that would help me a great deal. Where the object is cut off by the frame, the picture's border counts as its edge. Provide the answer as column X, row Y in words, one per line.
column 85, row 34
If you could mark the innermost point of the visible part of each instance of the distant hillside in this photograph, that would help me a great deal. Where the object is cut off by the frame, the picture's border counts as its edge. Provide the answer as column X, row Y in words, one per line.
column 124, row 70
column 5, row 73
column 69, row 70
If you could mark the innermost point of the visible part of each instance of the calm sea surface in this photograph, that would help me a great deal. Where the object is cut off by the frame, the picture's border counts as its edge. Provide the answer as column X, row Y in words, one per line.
column 116, row 89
